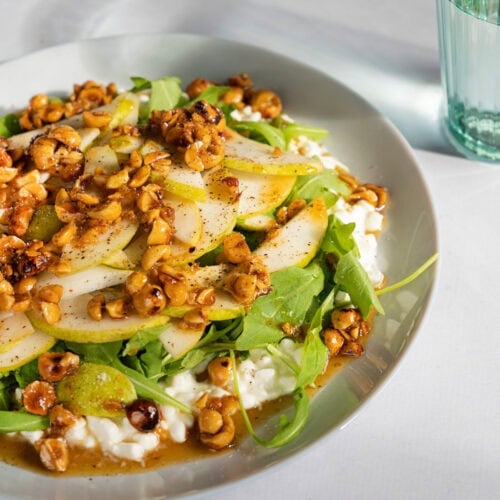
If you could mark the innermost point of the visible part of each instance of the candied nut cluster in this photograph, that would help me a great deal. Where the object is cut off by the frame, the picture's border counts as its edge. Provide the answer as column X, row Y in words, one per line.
column 43, row 110
column 343, row 338
column 373, row 194
column 215, row 423
column 242, row 93
column 20, row 262
column 196, row 132
column 249, row 278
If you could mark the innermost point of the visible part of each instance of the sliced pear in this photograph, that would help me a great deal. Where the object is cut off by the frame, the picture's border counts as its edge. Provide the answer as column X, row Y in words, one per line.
column 87, row 136
column 203, row 277
column 262, row 222
column 261, row 193
column 182, row 181
column 218, row 215
column 103, row 157
column 299, row 239
column 136, row 248
column 85, row 281
column 188, row 223
column 126, row 143
column 224, row 307
column 252, row 156
column 97, row 390
column 119, row 260
column 177, row 341
column 25, row 350
column 14, row 327
column 113, row 238
column 75, row 324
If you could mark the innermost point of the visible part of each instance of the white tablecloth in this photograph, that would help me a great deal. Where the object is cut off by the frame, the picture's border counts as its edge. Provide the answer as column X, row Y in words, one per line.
column 434, row 430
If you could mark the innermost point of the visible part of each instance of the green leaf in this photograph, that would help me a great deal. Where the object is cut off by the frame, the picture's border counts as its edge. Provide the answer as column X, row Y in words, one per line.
column 294, row 130
column 352, row 277
column 17, row 421
column 141, row 339
column 151, row 360
column 5, row 384
column 27, row 373
column 106, row 353
column 288, row 429
column 262, row 132
column 212, row 95
column 339, row 237
column 165, row 94
column 315, row 354
column 293, row 293
column 9, row 125
column 140, row 83
column 326, row 185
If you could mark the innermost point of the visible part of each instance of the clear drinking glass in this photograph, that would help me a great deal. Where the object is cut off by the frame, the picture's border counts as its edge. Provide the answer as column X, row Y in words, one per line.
column 469, row 42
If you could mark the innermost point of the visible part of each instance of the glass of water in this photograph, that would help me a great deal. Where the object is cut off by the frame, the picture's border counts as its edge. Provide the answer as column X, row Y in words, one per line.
column 469, row 42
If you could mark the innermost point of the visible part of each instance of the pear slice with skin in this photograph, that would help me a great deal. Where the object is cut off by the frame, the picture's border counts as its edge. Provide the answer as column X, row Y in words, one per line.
column 218, row 215
column 27, row 349
column 119, row 260
column 97, row 390
column 101, row 157
column 262, row 222
column 182, row 181
column 252, row 156
column 14, row 327
column 261, row 193
column 225, row 307
column 85, row 281
column 298, row 240
column 177, row 341
column 113, row 238
column 76, row 325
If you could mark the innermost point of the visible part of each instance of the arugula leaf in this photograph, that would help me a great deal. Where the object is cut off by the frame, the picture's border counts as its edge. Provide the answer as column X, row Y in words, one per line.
column 5, row 384
column 17, row 421
column 339, row 237
column 212, row 95
column 147, row 388
column 293, row 292
column 315, row 354
column 352, row 277
column 262, row 132
column 165, row 94
column 293, row 130
column 140, row 83
column 9, row 125
column 288, row 429
column 151, row 360
column 141, row 339
column 27, row 373
column 105, row 354
column 326, row 185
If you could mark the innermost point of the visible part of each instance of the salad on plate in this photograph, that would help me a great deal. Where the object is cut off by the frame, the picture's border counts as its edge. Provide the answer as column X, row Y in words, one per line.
column 171, row 261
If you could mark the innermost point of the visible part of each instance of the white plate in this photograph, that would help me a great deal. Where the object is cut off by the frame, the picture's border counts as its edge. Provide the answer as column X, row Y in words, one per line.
column 360, row 137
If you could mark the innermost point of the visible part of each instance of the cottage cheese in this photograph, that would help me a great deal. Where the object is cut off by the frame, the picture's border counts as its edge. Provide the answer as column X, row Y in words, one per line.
column 367, row 221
